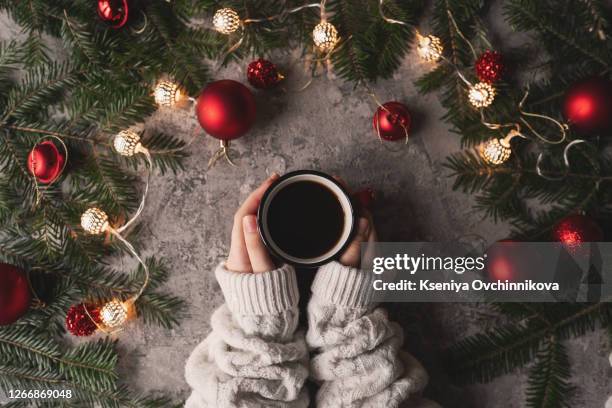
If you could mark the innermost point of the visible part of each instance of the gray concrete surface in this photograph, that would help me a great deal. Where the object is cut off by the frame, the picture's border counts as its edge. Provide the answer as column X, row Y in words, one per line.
column 327, row 127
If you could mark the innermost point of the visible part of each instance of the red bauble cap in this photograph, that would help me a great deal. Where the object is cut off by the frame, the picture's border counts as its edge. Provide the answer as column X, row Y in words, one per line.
column 490, row 67
column 114, row 12
column 392, row 120
column 263, row 74
column 46, row 162
column 226, row 109
column 15, row 293
column 577, row 229
column 79, row 323
column 588, row 105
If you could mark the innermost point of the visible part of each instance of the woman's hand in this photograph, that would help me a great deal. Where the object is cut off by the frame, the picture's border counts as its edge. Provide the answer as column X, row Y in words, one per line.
column 248, row 253
column 365, row 233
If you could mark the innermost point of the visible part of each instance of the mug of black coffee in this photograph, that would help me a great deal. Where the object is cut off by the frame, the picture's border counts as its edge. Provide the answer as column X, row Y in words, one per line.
column 306, row 218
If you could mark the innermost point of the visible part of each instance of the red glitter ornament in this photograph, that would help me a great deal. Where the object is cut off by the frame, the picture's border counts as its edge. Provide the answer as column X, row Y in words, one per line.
column 577, row 229
column 588, row 105
column 114, row 12
column 79, row 323
column 392, row 121
column 490, row 67
column 263, row 74
column 15, row 293
column 226, row 109
column 46, row 162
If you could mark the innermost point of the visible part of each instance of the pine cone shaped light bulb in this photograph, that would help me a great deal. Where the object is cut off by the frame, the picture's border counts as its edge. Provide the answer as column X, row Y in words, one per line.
column 429, row 47
column 127, row 143
column 481, row 95
column 226, row 21
column 498, row 151
column 114, row 313
column 167, row 93
column 325, row 36
column 94, row 221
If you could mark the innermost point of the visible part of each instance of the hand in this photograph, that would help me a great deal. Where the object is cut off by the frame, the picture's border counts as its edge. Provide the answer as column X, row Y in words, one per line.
column 248, row 253
column 365, row 233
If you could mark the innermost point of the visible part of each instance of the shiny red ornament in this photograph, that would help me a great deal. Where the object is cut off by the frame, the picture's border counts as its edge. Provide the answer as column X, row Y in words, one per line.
column 263, row 74
column 577, row 229
column 588, row 105
column 226, row 109
column 113, row 12
column 392, row 121
column 79, row 323
column 15, row 294
column 46, row 162
column 490, row 67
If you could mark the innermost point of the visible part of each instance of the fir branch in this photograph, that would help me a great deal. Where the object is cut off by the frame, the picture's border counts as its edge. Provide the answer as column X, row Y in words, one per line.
column 548, row 382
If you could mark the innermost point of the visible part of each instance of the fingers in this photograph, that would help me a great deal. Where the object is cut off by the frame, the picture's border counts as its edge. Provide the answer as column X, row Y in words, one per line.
column 238, row 259
column 351, row 255
column 258, row 254
column 252, row 202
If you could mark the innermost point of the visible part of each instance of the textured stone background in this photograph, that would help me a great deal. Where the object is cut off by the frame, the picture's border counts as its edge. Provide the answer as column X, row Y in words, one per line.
column 327, row 127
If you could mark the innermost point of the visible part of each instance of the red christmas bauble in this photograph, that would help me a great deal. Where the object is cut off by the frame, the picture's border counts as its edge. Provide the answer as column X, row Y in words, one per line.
column 226, row 109
column 46, row 162
column 79, row 323
column 588, row 105
column 490, row 67
column 577, row 229
column 114, row 12
column 392, row 121
column 15, row 293
column 263, row 74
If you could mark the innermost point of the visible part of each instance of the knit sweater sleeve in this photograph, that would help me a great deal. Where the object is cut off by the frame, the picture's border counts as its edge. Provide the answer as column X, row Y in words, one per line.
column 358, row 360
column 254, row 356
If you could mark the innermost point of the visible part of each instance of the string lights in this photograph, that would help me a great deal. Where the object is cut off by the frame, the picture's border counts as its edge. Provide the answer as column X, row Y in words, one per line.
column 481, row 95
column 167, row 93
column 226, row 21
column 325, row 36
column 429, row 47
column 95, row 221
column 497, row 151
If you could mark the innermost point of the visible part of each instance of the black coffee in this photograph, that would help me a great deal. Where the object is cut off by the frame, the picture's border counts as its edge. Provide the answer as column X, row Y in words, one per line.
column 305, row 219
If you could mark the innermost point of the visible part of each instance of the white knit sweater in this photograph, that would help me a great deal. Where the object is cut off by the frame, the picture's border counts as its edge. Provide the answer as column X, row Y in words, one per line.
column 256, row 357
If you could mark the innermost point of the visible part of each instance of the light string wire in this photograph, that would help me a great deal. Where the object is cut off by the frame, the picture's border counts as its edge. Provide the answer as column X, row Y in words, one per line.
column 418, row 34
column 147, row 155
column 244, row 22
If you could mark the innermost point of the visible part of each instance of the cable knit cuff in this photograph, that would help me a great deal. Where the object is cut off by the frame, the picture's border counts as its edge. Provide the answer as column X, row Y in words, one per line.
column 259, row 293
column 342, row 285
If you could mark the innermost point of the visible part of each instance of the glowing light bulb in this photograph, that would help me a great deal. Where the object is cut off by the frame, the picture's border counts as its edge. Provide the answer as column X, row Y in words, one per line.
column 429, row 47
column 114, row 313
column 325, row 36
column 498, row 151
column 167, row 93
column 94, row 221
column 127, row 143
column 481, row 95
column 226, row 21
